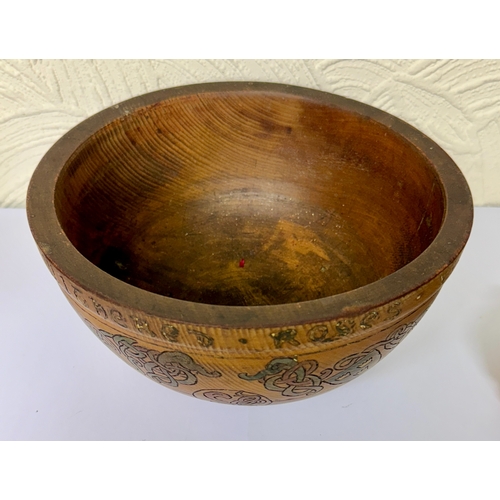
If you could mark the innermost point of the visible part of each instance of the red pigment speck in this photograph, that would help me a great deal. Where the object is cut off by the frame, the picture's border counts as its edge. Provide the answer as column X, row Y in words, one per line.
column 242, row 263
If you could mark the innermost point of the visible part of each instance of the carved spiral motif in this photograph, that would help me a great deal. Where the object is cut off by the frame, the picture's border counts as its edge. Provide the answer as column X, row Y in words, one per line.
column 287, row 376
column 398, row 335
column 166, row 368
column 351, row 367
column 293, row 379
column 233, row 397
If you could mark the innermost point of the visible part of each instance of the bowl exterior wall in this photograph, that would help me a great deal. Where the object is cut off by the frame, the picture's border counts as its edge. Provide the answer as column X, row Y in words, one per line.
column 250, row 366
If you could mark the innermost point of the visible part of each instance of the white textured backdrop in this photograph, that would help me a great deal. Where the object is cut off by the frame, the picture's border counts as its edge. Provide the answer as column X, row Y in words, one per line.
column 456, row 103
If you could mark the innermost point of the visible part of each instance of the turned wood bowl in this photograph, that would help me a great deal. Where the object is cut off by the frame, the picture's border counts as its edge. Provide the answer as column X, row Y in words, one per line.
column 249, row 243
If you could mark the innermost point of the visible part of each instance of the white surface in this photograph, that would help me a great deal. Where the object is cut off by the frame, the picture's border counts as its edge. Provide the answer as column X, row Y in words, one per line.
column 454, row 102
column 58, row 382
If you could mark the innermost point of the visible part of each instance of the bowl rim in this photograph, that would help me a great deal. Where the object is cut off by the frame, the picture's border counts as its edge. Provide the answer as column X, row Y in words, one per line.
column 439, row 255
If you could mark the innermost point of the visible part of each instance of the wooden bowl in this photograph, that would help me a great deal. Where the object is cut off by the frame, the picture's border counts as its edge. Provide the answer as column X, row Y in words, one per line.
column 249, row 243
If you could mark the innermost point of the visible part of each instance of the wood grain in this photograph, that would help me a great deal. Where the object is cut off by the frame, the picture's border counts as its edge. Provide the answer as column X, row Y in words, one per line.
column 316, row 202
column 249, row 243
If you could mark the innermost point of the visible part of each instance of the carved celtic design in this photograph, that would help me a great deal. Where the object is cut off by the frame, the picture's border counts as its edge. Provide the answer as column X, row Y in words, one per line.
column 394, row 310
column 368, row 319
column 298, row 379
column 288, row 376
column 167, row 368
column 351, row 367
column 202, row 339
column 319, row 333
column 345, row 327
column 398, row 335
column 354, row 365
column 169, row 332
column 233, row 397
column 142, row 326
column 285, row 336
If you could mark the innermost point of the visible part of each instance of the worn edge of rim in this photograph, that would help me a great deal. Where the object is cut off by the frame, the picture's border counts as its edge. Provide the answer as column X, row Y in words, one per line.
column 442, row 252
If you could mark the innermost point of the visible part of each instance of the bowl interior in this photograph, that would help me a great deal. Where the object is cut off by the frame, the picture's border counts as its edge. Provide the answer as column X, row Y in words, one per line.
column 248, row 198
